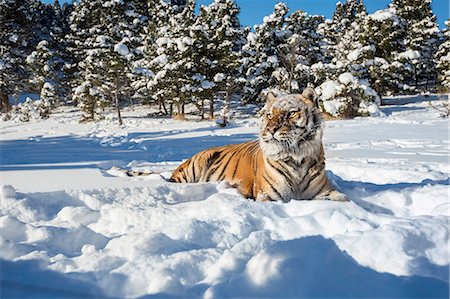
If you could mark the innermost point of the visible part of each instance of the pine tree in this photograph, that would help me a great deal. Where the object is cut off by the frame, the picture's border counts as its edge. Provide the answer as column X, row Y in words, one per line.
column 17, row 38
column 384, row 31
column 443, row 58
column 89, row 45
column 260, row 56
column 101, row 38
column 172, row 62
column 218, row 37
column 301, row 50
column 45, row 67
column 420, row 39
column 345, row 89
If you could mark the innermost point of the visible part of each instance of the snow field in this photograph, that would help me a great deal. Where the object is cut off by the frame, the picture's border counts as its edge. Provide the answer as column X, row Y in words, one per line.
column 133, row 237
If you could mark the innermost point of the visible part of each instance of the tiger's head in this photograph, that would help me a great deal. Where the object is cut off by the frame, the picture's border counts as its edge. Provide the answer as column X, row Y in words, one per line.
column 291, row 125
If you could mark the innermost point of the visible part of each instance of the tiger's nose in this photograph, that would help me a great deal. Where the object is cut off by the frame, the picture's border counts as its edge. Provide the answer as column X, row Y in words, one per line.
column 272, row 129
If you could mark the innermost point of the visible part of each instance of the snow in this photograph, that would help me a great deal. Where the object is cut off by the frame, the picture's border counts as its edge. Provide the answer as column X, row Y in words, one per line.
column 329, row 89
column 335, row 106
column 122, row 49
column 353, row 55
column 410, row 54
column 383, row 15
column 73, row 226
column 347, row 78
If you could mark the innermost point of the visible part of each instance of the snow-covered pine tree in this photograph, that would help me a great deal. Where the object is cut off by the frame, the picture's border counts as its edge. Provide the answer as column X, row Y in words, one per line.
column 89, row 44
column 100, row 35
column 301, row 50
column 121, row 39
column 173, row 59
column 345, row 91
column 443, row 59
column 18, row 22
column 45, row 74
column 218, row 38
column 143, row 82
column 260, row 57
column 420, row 39
column 58, row 31
column 383, row 30
column 137, row 16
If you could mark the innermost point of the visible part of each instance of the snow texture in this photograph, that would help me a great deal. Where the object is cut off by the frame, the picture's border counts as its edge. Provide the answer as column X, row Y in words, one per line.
column 72, row 226
column 122, row 49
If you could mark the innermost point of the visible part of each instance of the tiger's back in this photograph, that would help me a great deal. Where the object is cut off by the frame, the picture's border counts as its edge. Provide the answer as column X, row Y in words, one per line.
column 235, row 163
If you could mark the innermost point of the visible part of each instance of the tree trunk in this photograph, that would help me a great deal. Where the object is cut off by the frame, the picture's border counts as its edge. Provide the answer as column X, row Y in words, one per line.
column 164, row 106
column 117, row 96
column 4, row 102
column 211, row 109
column 171, row 109
column 202, row 111
column 182, row 110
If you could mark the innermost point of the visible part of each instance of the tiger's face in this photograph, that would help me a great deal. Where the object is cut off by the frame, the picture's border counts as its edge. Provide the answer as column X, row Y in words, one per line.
column 290, row 124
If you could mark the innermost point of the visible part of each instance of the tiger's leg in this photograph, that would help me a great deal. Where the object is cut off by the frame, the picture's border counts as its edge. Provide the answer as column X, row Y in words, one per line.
column 331, row 194
column 262, row 196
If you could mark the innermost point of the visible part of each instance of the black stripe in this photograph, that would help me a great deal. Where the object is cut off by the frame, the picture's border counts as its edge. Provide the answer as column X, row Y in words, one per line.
column 320, row 190
column 219, row 178
column 312, row 178
column 193, row 171
column 273, row 188
column 239, row 159
column 280, row 170
column 216, row 165
column 212, row 158
column 184, row 176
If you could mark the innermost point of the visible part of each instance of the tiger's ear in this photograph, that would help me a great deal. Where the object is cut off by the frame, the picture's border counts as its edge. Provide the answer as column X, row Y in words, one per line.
column 309, row 97
column 270, row 98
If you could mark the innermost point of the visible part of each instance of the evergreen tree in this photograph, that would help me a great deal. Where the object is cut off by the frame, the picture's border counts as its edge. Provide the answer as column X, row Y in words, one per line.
column 173, row 81
column 420, row 39
column 443, row 58
column 100, row 37
column 218, row 38
column 45, row 67
column 89, row 47
column 19, row 20
column 384, row 32
column 301, row 50
column 345, row 89
column 260, row 56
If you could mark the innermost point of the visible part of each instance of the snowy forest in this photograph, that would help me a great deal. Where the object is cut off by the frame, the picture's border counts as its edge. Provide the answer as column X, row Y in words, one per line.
column 99, row 55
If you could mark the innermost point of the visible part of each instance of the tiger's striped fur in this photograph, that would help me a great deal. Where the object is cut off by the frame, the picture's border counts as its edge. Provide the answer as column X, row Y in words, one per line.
column 287, row 162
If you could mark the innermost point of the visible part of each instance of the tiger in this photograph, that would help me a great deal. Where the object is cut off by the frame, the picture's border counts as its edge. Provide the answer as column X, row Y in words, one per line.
column 286, row 162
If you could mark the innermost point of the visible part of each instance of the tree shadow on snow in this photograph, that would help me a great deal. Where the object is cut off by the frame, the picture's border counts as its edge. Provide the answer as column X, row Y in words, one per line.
column 314, row 267
column 413, row 99
column 66, row 152
column 27, row 279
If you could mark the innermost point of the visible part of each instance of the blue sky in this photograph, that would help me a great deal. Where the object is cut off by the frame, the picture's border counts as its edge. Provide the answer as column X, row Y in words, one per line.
column 253, row 11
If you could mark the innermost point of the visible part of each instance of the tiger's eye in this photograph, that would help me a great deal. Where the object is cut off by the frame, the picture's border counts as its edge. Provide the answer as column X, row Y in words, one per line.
column 293, row 114
column 269, row 115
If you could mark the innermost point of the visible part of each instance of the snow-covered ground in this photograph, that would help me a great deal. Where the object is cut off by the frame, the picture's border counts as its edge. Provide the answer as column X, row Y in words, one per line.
column 73, row 228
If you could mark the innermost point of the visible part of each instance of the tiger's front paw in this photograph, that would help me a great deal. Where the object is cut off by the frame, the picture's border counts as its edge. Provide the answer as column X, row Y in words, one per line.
column 333, row 195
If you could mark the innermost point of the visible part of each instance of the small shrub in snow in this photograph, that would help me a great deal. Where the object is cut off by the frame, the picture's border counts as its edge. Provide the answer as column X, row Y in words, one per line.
column 29, row 110
column 348, row 97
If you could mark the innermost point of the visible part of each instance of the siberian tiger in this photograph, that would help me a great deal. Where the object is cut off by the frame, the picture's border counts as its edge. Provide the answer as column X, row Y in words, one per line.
column 287, row 162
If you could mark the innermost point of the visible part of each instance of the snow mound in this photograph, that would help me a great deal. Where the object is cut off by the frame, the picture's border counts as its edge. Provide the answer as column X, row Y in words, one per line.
column 139, row 241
